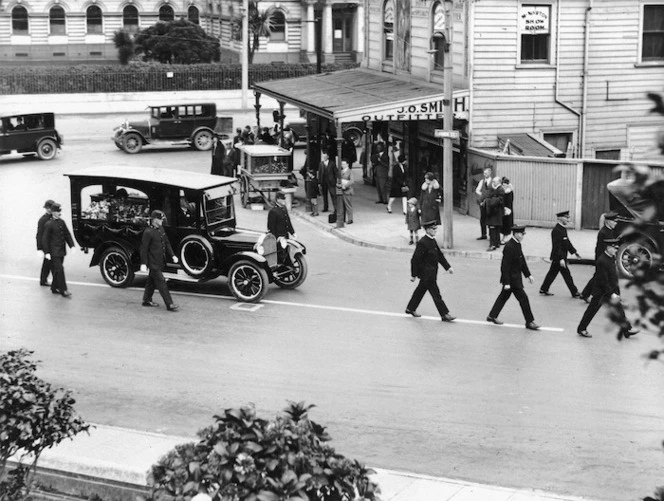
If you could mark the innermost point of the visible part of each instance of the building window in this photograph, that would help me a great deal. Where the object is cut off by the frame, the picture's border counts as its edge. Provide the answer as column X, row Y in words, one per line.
column 438, row 36
column 388, row 30
column 166, row 13
column 535, row 29
column 130, row 19
column 19, row 20
column 277, row 26
column 192, row 14
column 94, row 20
column 653, row 33
column 560, row 140
column 56, row 20
column 607, row 154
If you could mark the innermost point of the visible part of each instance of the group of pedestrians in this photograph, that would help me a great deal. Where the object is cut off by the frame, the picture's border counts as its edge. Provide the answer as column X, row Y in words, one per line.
column 496, row 200
column 53, row 238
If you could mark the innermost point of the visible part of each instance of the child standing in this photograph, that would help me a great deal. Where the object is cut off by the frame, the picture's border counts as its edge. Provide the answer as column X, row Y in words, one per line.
column 413, row 219
column 311, row 187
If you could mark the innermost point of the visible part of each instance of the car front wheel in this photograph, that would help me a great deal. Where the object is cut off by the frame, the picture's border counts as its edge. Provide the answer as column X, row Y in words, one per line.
column 290, row 277
column 47, row 149
column 633, row 256
column 116, row 267
column 203, row 140
column 248, row 281
column 132, row 142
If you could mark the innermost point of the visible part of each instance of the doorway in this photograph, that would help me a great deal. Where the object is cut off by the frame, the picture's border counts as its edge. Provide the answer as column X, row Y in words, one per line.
column 342, row 31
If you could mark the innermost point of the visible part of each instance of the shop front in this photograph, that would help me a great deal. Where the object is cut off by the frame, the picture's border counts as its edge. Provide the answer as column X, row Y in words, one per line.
column 392, row 110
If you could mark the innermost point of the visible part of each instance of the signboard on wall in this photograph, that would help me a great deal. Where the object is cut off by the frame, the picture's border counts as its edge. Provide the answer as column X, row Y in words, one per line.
column 534, row 19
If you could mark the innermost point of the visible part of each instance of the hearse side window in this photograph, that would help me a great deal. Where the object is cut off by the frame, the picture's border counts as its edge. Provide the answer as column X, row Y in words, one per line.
column 218, row 210
column 115, row 204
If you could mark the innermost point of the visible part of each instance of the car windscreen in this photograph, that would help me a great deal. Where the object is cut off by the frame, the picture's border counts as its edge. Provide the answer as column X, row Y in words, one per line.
column 219, row 206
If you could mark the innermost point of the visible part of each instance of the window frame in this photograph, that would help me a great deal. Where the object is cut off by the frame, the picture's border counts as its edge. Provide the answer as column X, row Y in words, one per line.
column 131, row 28
column 642, row 60
column 550, row 50
column 51, row 20
column 164, row 8
column 190, row 9
column 92, row 27
column 388, row 36
column 437, row 41
column 16, row 31
column 282, row 33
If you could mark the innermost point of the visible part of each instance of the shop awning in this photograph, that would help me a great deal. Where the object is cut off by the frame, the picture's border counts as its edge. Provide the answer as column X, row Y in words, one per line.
column 362, row 95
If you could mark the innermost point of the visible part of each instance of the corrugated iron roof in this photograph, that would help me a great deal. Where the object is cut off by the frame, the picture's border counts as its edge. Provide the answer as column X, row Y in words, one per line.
column 528, row 146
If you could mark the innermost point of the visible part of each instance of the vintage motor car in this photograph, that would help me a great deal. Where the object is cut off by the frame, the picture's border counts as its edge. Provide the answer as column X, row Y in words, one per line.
column 30, row 134
column 641, row 244
column 111, row 208
column 189, row 124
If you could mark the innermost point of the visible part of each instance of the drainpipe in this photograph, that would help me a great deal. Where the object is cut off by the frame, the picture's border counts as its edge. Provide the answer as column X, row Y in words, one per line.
column 584, row 98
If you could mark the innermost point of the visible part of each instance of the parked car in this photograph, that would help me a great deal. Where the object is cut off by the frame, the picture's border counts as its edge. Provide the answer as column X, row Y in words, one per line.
column 111, row 208
column 641, row 244
column 352, row 130
column 30, row 134
column 191, row 124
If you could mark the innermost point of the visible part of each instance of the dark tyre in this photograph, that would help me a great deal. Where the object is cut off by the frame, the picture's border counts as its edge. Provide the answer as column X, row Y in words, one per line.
column 46, row 149
column 248, row 281
column 634, row 255
column 292, row 276
column 116, row 267
column 196, row 256
column 132, row 142
column 355, row 135
column 202, row 140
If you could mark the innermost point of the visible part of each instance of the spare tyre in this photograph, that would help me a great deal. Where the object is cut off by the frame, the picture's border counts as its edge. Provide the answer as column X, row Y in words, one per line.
column 196, row 256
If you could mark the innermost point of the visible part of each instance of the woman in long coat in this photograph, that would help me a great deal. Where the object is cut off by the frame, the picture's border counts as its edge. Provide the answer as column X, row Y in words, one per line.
column 399, row 187
column 430, row 199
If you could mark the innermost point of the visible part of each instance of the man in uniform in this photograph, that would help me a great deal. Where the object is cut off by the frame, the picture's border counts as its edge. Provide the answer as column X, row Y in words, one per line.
column 606, row 290
column 561, row 246
column 512, row 267
column 424, row 265
column 55, row 240
column 606, row 231
column 155, row 248
column 46, row 263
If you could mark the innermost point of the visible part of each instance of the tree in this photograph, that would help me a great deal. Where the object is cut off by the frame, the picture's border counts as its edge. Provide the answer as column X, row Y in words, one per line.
column 125, row 45
column 34, row 417
column 260, row 25
column 176, row 42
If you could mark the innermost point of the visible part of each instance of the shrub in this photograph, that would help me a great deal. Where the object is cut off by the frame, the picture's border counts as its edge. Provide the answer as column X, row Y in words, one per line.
column 34, row 416
column 242, row 457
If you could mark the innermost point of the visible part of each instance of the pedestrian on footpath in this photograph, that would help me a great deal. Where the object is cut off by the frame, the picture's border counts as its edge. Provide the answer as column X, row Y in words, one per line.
column 481, row 191
column 310, row 187
column 380, row 161
column 413, row 220
column 327, row 178
column 347, row 191
column 512, row 267
column 560, row 248
column 55, row 240
column 46, row 263
column 494, row 208
column 430, row 198
column 399, row 187
column 608, row 224
column 155, row 249
column 424, row 265
column 508, row 215
column 606, row 291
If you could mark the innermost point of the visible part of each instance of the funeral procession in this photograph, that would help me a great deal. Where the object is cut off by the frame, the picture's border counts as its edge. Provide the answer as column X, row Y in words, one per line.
column 332, row 250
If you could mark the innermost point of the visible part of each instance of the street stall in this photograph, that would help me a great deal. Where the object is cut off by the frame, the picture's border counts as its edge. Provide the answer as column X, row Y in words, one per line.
column 265, row 169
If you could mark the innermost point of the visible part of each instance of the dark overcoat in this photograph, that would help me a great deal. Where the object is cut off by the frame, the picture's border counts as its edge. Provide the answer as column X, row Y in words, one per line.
column 40, row 229
column 155, row 248
column 560, row 244
column 513, row 267
column 56, row 238
column 606, row 277
column 427, row 255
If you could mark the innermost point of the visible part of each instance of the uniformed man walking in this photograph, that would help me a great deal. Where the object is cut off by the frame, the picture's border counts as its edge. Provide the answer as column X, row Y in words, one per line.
column 560, row 247
column 155, row 248
column 606, row 290
column 424, row 265
column 512, row 267
column 46, row 263
column 55, row 240
column 606, row 231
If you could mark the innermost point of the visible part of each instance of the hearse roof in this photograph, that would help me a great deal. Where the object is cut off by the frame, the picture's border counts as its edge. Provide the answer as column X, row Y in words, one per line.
column 169, row 177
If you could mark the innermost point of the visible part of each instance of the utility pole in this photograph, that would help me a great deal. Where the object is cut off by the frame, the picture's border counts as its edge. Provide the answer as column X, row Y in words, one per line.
column 448, row 156
column 245, row 54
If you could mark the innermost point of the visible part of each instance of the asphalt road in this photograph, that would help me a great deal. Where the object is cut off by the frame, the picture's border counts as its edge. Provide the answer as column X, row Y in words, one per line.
column 468, row 400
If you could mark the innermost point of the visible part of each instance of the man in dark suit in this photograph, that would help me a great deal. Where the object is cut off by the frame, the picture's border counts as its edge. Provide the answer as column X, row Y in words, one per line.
column 278, row 220
column 155, row 248
column 606, row 290
column 512, row 267
column 327, row 178
column 606, row 231
column 55, row 240
column 424, row 265
column 561, row 246
column 46, row 263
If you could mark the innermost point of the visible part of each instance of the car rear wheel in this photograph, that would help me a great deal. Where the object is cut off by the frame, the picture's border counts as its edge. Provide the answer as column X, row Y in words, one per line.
column 248, row 281
column 633, row 256
column 203, row 140
column 355, row 135
column 47, row 149
column 116, row 267
column 132, row 142
column 196, row 256
column 295, row 275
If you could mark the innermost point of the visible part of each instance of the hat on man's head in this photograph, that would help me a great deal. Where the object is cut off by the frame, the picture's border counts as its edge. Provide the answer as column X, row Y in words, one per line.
column 48, row 204
column 611, row 215
column 280, row 196
column 614, row 242
column 157, row 214
column 429, row 224
column 564, row 213
column 56, row 207
column 518, row 229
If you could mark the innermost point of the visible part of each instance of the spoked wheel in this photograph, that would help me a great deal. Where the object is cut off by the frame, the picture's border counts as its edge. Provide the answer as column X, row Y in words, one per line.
column 132, row 142
column 47, row 149
column 633, row 256
column 202, row 140
column 248, row 281
column 290, row 277
column 116, row 268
